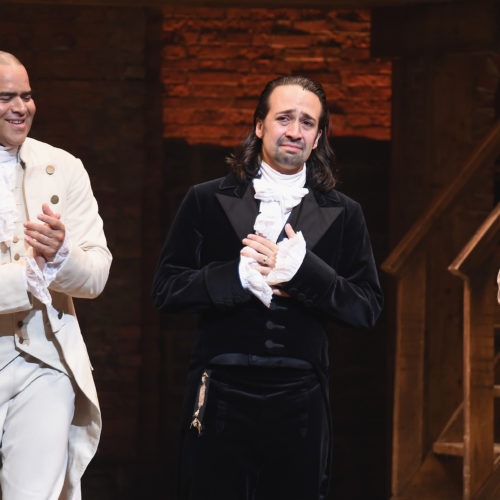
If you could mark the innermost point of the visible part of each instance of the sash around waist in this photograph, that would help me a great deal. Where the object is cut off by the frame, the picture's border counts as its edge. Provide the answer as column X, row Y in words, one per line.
column 249, row 360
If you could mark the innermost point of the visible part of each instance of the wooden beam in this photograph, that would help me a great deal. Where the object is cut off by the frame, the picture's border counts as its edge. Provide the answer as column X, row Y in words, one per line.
column 414, row 30
column 487, row 151
column 456, row 448
column 329, row 4
column 484, row 242
column 478, row 383
column 408, row 424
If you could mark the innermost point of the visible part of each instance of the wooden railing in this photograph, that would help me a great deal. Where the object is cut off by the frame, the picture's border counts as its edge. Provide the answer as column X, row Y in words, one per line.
column 486, row 153
column 477, row 265
column 409, row 263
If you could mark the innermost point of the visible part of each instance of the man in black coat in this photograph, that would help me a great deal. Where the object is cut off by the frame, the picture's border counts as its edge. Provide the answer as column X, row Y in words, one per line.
column 265, row 256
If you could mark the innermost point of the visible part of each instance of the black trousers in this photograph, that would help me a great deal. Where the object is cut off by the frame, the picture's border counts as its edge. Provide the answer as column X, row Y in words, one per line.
column 260, row 434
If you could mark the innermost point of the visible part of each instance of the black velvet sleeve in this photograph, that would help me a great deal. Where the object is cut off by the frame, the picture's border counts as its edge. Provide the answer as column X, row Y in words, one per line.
column 345, row 287
column 182, row 280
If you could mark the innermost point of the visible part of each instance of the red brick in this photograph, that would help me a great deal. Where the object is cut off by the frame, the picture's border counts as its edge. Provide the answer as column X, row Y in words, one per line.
column 234, row 52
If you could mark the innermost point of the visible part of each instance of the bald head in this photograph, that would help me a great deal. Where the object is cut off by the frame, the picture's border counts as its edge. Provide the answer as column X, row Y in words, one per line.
column 8, row 59
column 17, row 107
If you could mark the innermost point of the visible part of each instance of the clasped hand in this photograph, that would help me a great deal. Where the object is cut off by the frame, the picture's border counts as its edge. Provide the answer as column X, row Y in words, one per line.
column 46, row 237
column 264, row 252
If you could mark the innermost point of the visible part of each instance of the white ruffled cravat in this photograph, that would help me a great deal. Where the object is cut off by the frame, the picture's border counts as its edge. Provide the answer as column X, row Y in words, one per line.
column 278, row 194
column 8, row 211
column 37, row 281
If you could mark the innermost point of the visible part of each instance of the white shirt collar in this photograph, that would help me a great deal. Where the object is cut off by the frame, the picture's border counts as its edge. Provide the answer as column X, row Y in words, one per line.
column 8, row 210
column 8, row 155
column 271, row 175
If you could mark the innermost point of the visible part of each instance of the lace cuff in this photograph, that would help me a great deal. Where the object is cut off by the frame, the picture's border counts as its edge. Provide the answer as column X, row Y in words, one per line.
column 252, row 280
column 35, row 281
column 7, row 219
column 38, row 281
column 52, row 268
column 291, row 253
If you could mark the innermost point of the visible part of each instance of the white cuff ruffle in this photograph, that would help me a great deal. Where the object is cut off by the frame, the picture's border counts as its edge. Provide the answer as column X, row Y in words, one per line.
column 291, row 253
column 8, row 214
column 252, row 280
column 38, row 281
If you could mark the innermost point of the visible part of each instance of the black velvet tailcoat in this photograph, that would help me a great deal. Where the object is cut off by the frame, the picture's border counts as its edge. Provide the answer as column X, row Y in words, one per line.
column 198, row 272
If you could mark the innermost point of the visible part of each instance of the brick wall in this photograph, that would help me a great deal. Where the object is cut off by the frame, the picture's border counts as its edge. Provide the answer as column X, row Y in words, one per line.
column 217, row 60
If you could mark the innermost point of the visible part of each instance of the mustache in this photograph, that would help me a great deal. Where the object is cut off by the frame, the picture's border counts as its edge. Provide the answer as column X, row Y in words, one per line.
column 298, row 143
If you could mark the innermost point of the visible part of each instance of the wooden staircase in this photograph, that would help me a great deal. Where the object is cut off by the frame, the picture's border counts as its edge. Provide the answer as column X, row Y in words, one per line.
column 446, row 425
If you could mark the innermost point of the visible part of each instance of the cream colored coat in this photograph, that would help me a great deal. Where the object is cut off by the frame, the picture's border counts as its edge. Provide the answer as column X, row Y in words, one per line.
column 54, row 176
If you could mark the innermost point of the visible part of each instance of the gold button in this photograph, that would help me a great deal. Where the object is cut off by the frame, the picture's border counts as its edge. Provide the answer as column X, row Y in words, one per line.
column 17, row 256
column 54, row 199
column 15, row 239
column 50, row 169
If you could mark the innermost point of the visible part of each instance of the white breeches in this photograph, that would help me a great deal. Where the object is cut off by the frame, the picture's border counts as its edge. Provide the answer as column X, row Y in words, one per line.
column 37, row 404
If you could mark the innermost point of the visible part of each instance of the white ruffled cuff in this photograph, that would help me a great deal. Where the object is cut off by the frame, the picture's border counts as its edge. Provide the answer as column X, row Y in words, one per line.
column 291, row 253
column 7, row 221
column 52, row 268
column 252, row 280
column 38, row 280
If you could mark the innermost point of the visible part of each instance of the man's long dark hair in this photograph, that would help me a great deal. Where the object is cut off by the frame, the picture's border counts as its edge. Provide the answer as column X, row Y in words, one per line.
column 245, row 162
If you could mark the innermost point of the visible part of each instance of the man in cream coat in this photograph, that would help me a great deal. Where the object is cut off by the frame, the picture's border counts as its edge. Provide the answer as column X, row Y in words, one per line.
column 52, row 248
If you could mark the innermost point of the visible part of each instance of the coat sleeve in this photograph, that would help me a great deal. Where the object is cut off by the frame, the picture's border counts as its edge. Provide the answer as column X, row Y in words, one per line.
column 14, row 293
column 349, row 290
column 182, row 282
column 86, row 269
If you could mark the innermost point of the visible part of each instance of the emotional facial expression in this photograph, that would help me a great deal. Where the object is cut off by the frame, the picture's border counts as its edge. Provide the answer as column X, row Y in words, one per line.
column 290, row 130
column 17, row 107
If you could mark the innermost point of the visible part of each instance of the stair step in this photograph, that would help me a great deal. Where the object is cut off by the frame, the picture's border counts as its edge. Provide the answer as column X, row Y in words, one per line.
column 456, row 448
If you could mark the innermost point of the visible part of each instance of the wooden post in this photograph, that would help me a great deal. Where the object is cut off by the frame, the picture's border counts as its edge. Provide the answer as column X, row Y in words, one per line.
column 479, row 356
column 409, row 374
column 477, row 265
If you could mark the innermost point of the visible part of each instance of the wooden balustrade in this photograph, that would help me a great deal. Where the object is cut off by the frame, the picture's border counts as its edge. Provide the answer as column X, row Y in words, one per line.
column 477, row 265
column 417, row 447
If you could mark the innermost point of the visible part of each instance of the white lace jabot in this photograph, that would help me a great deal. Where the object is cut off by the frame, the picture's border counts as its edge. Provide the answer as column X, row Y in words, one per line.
column 8, row 212
column 37, row 281
column 278, row 194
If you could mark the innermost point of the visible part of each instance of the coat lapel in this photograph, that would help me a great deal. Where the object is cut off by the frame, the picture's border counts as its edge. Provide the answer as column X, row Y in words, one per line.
column 240, row 207
column 312, row 219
